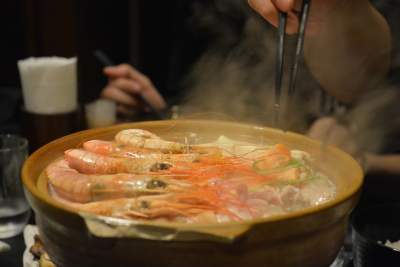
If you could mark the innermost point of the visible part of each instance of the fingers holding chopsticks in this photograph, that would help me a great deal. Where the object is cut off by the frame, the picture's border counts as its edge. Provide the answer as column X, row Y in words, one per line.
column 270, row 9
column 121, row 95
column 321, row 12
column 128, row 87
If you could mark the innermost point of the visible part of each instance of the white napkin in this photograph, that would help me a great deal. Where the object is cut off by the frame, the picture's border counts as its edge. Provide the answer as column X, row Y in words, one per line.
column 49, row 84
column 29, row 232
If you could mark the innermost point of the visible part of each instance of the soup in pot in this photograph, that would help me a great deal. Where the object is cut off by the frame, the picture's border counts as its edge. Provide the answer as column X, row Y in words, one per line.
column 140, row 176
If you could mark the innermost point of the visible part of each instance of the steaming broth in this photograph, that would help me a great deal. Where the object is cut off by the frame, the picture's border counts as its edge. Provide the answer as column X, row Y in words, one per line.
column 140, row 176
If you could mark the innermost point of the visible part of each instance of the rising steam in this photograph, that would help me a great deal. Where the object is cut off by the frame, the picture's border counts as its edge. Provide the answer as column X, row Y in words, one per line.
column 234, row 79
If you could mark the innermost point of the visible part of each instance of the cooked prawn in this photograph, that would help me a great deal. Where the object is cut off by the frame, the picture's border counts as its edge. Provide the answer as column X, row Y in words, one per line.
column 143, row 208
column 92, row 163
column 169, row 206
column 145, row 139
column 109, row 148
column 72, row 185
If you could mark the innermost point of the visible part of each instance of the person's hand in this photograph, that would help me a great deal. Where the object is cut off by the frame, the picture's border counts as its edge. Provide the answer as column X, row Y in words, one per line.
column 127, row 86
column 330, row 131
column 320, row 9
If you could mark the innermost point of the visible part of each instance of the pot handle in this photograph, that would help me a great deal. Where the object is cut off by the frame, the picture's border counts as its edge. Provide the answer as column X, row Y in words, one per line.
column 108, row 227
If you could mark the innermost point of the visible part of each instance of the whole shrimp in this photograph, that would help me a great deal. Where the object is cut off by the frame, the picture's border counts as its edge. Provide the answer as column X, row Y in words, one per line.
column 145, row 139
column 112, row 149
column 109, row 148
column 143, row 208
column 92, row 163
column 71, row 185
column 155, row 207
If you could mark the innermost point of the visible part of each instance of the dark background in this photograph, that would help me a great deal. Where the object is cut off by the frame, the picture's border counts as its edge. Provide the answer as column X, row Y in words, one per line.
column 142, row 33
column 126, row 30
column 160, row 38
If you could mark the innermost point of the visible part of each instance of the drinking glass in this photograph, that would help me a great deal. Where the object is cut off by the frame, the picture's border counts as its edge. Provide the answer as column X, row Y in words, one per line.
column 14, row 209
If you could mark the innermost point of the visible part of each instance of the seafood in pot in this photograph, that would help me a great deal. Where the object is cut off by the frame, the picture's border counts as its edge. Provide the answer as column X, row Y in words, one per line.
column 141, row 176
column 145, row 139
column 74, row 186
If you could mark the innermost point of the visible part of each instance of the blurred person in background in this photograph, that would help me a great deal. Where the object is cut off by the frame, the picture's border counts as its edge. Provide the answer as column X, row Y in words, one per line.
column 352, row 53
column 351, row 30
column 347, row 31
column 351, row 50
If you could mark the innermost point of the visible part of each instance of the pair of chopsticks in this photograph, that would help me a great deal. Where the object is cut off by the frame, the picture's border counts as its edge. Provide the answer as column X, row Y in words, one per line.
column 305, row 10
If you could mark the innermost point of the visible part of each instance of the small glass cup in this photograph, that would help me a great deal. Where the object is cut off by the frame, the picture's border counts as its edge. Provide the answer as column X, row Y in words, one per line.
column 14, row 209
